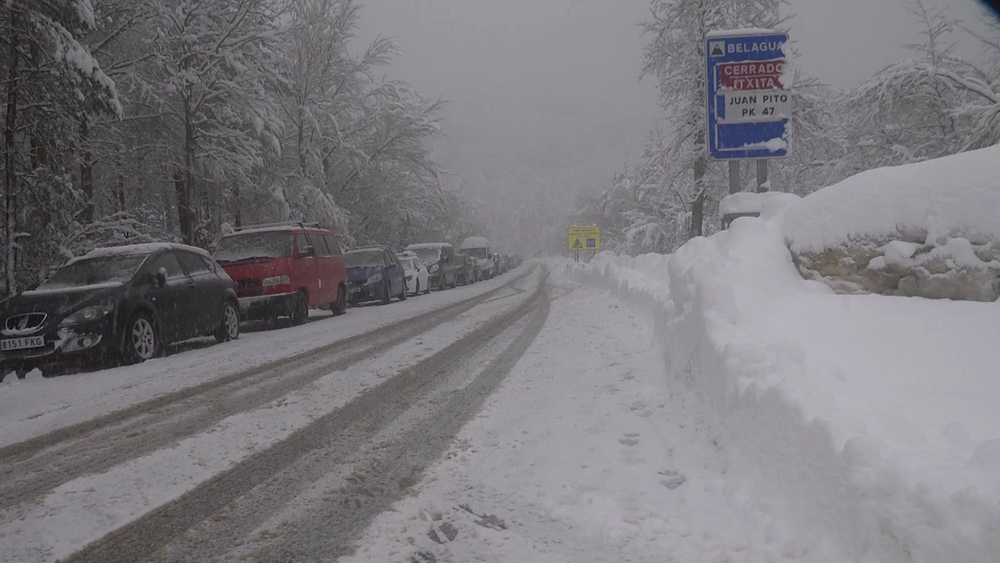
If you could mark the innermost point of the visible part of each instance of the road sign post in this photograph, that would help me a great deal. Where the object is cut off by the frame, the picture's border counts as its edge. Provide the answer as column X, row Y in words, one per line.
column 749, row 97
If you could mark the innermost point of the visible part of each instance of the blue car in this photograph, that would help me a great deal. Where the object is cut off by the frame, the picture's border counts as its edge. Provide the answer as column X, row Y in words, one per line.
column 374, row 274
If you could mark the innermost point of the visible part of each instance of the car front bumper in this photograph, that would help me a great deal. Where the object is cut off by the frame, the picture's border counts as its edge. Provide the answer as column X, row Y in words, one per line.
column 267, row 306
column 361, row 293
column 64, row 345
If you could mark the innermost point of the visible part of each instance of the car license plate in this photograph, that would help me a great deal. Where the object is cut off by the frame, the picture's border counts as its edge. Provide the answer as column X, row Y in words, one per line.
column 355, row 290
column 22, row 343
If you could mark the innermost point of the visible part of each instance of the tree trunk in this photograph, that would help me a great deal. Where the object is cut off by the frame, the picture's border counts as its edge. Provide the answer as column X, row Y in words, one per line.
column 185, row 187
column 184, row 219
column 238, row 221
column 121, row 184
column 302, row 142
column 168, row 209
column 10, row 178
column 86, row 168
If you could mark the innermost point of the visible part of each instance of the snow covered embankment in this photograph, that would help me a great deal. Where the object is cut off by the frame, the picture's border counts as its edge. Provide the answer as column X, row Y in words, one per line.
column 868, row 421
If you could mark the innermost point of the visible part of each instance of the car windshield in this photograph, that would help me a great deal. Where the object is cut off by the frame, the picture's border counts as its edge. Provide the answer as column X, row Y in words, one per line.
column 475, row 252
column 364, row 259
column 94, row 271
column 407, row 263
column 259, row 245
column 427, row 254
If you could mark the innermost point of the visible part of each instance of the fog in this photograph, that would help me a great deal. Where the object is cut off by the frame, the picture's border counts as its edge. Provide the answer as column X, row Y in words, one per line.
column 544, row 97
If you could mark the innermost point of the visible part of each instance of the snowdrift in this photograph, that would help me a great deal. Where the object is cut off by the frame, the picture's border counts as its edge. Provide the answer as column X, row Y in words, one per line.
column 955, row 196
column 869, row 422
column 930, row 229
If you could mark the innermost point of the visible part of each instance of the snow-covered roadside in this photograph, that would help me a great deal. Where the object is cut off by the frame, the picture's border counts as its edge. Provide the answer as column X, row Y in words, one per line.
column 91, row 506
column 37, row 405
column 585, row 453
column 870, row 422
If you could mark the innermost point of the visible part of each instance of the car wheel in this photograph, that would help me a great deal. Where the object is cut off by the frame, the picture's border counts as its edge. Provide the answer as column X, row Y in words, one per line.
column 300, row 311
column 427, row 291
column 386, row 294
column 230, row 327
column 402, row 292
column 141, row 341
column 417, row 292
column 340, row 306
column 454, row 281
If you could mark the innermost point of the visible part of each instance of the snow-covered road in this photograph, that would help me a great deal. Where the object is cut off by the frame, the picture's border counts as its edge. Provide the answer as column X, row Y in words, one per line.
column 226, row 423
column 527, row 419
column 587, row 452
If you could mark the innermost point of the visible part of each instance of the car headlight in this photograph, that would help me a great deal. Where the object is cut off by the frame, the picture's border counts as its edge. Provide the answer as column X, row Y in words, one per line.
column 276, row 280
column 374, row 279
column 434, row 268
column 88, row 314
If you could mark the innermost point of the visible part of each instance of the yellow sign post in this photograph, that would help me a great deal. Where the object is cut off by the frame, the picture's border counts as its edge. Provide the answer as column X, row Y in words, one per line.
column 584, row 238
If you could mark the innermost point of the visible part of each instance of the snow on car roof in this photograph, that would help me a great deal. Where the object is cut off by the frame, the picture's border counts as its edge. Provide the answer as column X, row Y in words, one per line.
column 277, row 229
column 427, row 245
column 365, row 249
column 145, row 248
column 475, row 242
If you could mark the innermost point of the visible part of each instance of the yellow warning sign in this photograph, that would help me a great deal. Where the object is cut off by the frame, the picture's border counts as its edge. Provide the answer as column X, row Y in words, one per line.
column 584, row 238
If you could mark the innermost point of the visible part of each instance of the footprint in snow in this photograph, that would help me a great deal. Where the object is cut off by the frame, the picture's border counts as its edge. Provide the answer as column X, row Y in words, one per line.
column 671, row 479
column 443, row 533
column 629, row 440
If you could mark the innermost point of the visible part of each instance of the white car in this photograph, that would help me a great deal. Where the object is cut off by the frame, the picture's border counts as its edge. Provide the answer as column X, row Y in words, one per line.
column 417, row 278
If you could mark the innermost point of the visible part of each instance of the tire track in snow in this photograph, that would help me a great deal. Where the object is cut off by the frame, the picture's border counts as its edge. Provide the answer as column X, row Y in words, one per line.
column 31, row 468
column 337, row 435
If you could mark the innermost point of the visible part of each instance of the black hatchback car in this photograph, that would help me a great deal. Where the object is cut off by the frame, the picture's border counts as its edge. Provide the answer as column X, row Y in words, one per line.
column 123, row 303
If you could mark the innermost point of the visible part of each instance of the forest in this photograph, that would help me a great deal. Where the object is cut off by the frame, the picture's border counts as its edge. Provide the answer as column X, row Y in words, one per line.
column 179, row 120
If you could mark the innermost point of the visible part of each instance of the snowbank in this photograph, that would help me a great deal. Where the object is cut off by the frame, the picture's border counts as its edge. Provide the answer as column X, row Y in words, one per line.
column 870, row 421
column 950, row 197
column 926, row 230
column 767, row 204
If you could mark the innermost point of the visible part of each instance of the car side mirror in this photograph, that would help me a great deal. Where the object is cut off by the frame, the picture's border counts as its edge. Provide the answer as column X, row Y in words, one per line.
column 161, row 278
column 307, row 252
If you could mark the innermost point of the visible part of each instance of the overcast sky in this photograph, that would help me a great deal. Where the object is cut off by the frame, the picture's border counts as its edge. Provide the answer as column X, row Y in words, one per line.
column 543, row 94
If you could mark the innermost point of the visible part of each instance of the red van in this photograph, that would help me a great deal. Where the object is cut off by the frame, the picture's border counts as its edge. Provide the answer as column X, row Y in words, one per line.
column 284, row 270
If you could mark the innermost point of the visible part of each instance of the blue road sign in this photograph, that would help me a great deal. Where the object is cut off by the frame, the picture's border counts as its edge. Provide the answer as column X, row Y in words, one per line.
column 749, row 108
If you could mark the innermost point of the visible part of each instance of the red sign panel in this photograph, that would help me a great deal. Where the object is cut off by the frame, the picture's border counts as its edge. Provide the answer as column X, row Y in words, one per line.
column 752, row 75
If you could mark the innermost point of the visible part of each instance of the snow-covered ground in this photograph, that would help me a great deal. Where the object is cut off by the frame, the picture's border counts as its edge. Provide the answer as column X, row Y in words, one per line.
column 869, row 422
column 588, row 452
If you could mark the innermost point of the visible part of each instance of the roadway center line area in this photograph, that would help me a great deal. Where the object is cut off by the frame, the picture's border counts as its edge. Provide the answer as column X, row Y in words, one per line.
column 137, row 482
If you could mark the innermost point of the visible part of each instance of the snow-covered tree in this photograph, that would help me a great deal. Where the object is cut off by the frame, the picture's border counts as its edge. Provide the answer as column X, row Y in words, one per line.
column 50, row 79
column 209, row 83
column 931, row 105
column 675, row 57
